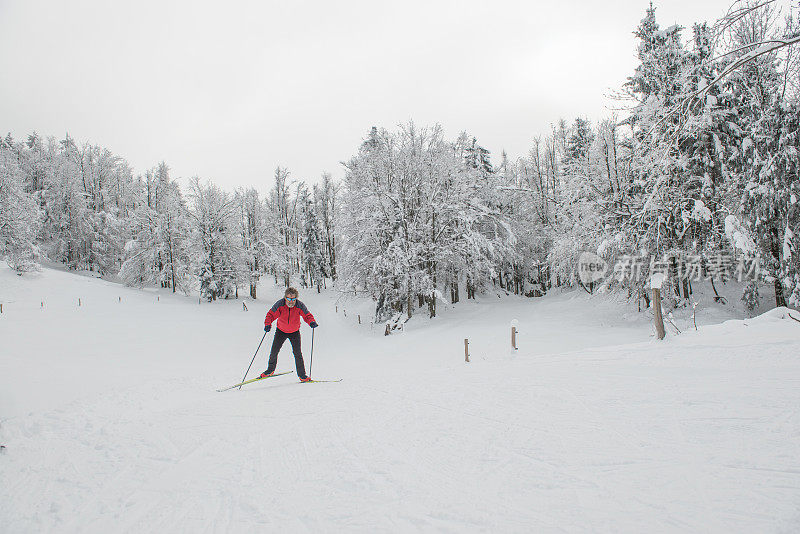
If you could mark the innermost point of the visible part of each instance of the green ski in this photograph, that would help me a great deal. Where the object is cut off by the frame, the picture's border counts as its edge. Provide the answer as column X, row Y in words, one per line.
column 312, row 380
column 253, row 380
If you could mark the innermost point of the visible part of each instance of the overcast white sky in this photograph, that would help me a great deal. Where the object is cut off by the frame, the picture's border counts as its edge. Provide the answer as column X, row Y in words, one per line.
column 229, row 90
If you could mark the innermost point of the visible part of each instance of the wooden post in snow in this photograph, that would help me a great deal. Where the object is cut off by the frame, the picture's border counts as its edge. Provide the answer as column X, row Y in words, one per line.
column 359, row 318
column 514, row 337
column 466, row 350
column 655, row 284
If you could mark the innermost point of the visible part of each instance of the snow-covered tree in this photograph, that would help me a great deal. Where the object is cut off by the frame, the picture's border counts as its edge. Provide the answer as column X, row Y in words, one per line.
column 729, row 141
column 282, row 207
column 220, row 261
column 258, row 237
column 664, row 214
column 314, row 268
column 768, row 163
column 157, row 252
column 67, row 233
column 326, row 204
column 19, row 217
column 416, row 219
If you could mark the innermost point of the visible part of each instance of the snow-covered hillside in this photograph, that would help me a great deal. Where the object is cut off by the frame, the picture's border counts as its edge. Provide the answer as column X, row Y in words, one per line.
column 111, row 421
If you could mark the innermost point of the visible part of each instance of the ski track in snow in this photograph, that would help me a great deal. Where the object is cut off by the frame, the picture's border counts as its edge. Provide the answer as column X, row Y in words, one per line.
column 590, row 427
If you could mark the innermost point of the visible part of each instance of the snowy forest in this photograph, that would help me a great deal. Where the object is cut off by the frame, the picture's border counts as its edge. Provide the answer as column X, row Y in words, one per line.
column 701, row 159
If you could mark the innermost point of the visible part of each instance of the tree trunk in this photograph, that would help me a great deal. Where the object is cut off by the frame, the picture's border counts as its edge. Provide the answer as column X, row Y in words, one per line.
column 780, row 299
column 657, row 317
column 675, row 275
column 409, row 297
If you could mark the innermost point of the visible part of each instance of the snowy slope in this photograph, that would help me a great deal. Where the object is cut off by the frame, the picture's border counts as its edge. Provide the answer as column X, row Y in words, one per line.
column 112, row 423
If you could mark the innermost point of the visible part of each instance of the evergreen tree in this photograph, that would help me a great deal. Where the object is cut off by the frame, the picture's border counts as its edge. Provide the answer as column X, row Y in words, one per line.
column 659, row 203
column 768, row 165
column 579, row 142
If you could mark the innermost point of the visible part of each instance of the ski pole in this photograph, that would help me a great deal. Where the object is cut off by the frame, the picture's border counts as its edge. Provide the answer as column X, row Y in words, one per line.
column 254, row 359
column 311, row 361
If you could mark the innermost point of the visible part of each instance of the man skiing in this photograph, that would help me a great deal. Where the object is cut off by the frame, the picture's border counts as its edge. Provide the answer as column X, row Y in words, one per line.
column 288, row 312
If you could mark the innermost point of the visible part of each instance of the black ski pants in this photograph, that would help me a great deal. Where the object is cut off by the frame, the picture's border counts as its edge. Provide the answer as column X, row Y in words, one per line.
column 277, row 343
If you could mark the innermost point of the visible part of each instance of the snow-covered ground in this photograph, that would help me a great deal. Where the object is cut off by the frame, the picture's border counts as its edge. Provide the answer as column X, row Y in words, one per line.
column 111, row 421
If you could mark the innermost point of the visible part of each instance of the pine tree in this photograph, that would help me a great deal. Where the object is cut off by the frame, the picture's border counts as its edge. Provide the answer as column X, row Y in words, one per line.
column 658, row 197
column 768, row 164
column 579, row 142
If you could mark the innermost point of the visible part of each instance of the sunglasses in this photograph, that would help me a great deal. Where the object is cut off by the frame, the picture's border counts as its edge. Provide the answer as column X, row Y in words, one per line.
column 288, row 298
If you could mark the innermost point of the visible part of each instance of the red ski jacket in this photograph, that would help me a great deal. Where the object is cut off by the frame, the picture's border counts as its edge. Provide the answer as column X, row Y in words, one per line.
column 288, row 318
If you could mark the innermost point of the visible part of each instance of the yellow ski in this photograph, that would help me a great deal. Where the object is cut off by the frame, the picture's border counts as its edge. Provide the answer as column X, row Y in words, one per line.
column 253, row 380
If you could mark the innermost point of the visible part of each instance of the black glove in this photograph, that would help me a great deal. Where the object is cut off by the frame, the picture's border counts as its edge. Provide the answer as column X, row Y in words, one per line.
column 267, row 328
column 313, row 324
